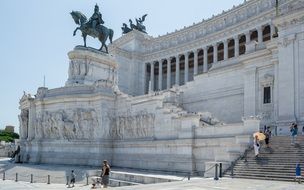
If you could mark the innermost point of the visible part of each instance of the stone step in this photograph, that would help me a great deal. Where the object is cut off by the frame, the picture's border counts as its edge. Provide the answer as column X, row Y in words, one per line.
column 261, row 178
column 266, row 174
column 275, row 163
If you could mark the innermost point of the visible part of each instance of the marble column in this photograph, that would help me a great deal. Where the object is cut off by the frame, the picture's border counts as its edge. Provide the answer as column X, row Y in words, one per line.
column 225, row 49
column 152, row 76
column 236, row 46
column 177, row 70
column 247, row 34
column 195, row 52
column 205, row 67
column 260, row 34
column 215, row 53
column 186, row 75
column 160, row 75
column 168, row 73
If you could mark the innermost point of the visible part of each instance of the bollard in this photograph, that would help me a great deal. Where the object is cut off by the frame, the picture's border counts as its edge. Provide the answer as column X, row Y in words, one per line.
column 31, row 178
column 221, row 168
column 49, row 179
column 189, row 174
column 87, row 179
column 216, row 174
column 3, row 176
column 16, row 177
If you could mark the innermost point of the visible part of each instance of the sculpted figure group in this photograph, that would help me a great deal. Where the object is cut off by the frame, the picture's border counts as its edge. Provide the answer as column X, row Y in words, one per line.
column 76, row 124
column 139, row 125
column 139, row 25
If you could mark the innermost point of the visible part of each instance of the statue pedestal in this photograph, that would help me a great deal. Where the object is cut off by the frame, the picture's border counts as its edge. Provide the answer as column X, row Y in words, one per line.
column 89, row 66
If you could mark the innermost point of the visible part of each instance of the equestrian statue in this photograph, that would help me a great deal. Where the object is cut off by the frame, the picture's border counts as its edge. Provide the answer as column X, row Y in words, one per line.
column 93, row 27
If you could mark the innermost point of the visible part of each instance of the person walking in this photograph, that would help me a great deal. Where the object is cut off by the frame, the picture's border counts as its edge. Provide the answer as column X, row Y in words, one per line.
column 256, row 146
column 105, row 174
column 303, row 130
column 298, row 173
column 293, row 132
column 267, row 133
column 73, row 178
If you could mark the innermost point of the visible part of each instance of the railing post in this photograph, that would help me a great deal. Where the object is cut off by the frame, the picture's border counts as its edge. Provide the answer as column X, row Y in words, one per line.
column 31, row 178
column 221, row 172
column 87, row 179
column 216, row 174
column 49, row 179
column 3, row 176
column 16, row 177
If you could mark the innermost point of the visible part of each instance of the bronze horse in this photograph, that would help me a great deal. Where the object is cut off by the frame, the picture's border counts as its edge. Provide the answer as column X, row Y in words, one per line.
column 103, row 33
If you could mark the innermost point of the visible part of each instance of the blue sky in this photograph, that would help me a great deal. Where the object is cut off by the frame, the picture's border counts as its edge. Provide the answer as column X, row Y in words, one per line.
column 36, row 36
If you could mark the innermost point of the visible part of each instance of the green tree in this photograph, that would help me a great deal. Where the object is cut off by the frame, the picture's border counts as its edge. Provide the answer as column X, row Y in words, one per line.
column 8, row 136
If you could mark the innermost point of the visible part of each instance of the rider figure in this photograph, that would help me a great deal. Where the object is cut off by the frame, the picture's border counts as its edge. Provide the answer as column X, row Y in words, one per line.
column 96, row 18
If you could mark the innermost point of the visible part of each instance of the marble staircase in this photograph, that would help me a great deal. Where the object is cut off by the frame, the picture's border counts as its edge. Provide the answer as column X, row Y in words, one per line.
column 275, row 163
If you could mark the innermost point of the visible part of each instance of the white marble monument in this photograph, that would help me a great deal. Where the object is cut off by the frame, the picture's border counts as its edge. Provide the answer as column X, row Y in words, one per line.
column 179, row 102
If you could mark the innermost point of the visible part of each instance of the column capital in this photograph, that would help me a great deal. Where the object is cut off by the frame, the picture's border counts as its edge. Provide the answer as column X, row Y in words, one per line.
column 236, row 37
column 258, row 27
column 205, row 48
column 194, row 51
column 215, row 44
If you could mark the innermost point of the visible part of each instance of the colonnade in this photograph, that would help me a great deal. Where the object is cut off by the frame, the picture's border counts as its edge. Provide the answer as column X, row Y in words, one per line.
column 180, row 68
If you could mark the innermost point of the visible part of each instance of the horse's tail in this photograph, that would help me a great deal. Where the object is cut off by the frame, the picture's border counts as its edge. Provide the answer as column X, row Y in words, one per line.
column 111, row 35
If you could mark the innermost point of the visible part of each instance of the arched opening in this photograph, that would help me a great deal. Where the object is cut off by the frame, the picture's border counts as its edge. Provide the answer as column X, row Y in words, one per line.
column 191, row 66
column 182, row 70
column 231, row 48
column 266, row 33
column 148, row 78
column 220, row 52
column 173, row 71
column 156, row 73
column 210, row 56
column 200, row 61
column 254, row 36
column 242, row 44
column 164, row 81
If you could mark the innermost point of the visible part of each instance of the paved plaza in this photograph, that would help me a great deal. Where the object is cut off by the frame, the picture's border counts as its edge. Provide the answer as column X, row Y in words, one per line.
column 59, row 171
column 195, row 184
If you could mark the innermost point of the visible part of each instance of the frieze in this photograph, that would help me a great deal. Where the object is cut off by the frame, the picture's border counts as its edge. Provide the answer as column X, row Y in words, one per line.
column 74, row 124
column 284, row 42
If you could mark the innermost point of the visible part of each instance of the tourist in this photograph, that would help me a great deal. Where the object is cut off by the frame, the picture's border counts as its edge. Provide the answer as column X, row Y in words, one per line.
column 267, row 133
column 73, row 178
column 256, row 146
column 293, row 132
column 105, row 173
column 303, row 130
column 298, row 173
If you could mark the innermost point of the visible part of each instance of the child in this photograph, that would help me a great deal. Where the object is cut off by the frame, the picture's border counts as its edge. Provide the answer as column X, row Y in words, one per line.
column 73, row 176
column 298, row 173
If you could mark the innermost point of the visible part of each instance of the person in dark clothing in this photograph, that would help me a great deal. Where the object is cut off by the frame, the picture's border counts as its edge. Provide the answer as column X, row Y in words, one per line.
column 267, row 133
column 15, row 153
column 298, row 173
column 105, row 173
column 73, row 178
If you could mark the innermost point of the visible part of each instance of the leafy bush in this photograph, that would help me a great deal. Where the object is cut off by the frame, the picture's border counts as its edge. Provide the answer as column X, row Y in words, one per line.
column 8, row 136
